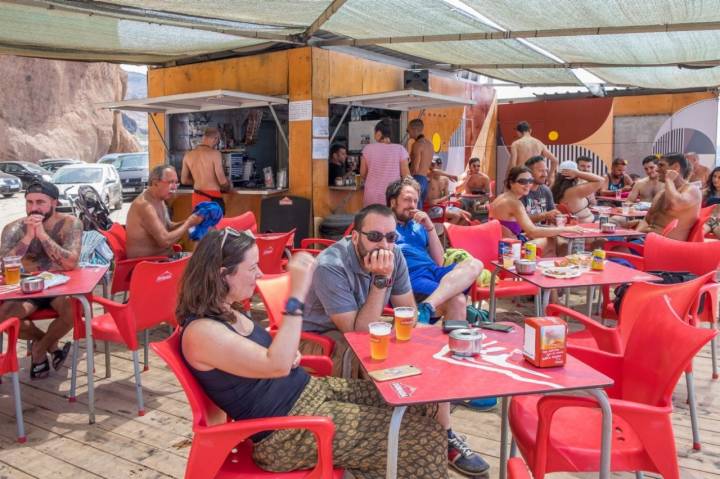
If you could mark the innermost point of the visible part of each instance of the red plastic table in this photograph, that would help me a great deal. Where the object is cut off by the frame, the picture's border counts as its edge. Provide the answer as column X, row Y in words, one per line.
column 81, row 285
column 499, row 371
column 615, row 211
column 611, row 198
column 613, row 273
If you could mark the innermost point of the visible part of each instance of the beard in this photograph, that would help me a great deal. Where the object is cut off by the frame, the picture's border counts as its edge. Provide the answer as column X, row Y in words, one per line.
column 362, row 251
column 46, row 216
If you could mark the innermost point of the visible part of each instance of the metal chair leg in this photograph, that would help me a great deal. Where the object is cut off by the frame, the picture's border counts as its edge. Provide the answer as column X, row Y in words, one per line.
column 28, row 347
column 138, row 383
column 713, row 354
column 692, row 402
column 107, row 359
column 18, row 408
column 146, row 346
column 639, row 475
column 513, row 448
column 73, row 375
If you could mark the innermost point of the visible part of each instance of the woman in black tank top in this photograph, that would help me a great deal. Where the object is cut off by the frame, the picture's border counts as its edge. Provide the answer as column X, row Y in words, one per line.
column 249, row 374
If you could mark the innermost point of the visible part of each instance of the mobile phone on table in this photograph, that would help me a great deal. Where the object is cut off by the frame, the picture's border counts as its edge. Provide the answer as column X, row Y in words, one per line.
column 504, row 328
column 395, row 372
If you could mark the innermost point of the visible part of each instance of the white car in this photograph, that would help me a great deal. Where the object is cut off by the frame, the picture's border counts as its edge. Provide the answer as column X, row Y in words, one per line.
column 104, row 178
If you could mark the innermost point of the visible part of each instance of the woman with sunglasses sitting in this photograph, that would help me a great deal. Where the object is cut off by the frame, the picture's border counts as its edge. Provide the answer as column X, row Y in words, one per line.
column 510, row 211
column 249, row 375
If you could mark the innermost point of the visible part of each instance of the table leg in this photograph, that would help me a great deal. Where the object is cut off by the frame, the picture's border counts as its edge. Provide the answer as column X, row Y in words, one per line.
column 589, row 300
column 393, row 441
column 504, row 434
column 87, row 312
column 539, row 302
column 606, row 443
column 491, row 313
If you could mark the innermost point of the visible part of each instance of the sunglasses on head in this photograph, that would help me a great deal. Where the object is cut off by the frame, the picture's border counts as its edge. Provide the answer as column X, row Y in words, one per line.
column 228, row 231
column 376, row 236
column 524, row 181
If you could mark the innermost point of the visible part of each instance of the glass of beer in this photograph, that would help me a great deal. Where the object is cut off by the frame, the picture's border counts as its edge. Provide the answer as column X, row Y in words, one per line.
column 379, row 340
column 11, row 269
column 404, row 322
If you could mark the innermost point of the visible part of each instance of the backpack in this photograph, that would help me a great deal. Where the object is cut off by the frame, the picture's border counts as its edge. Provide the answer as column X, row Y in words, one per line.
column 668, row 277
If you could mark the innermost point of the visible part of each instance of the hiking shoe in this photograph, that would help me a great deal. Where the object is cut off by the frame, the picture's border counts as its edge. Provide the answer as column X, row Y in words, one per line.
column 464, row 459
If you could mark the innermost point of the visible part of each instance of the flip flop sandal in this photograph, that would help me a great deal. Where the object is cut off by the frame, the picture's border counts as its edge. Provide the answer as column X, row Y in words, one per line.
column 40, row 370
column 60, row 355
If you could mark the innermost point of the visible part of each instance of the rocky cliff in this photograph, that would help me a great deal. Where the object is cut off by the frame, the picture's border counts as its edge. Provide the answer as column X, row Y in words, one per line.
column 48, row 109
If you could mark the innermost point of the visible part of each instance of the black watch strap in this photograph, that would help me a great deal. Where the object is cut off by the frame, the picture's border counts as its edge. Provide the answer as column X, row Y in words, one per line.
column 382, row 282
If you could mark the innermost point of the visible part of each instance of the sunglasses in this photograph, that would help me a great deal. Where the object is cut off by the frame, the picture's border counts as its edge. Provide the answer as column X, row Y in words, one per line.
column 228, row 231
column 524, row 181
column 376, row 236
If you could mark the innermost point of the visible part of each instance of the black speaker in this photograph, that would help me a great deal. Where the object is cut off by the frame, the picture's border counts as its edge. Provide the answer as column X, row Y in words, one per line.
column 416, row 80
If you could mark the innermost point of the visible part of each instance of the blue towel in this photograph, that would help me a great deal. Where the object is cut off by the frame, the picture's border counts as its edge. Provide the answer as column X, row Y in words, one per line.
column 211, row 213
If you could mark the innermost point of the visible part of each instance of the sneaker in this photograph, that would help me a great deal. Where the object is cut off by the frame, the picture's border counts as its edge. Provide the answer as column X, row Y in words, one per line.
column 464, row 459
column 425, row 313
column 485, row 404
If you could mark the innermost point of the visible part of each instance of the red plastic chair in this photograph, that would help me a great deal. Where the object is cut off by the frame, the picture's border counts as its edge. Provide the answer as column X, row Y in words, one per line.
column 222, row 449
column 697, row 233
column 272, row 247
column 517, row 469
column 274, row 290
column 153, row 296
column 560, row 433
column 9, row 364
column 123, row 267
column 245, row 221
column 481, row 241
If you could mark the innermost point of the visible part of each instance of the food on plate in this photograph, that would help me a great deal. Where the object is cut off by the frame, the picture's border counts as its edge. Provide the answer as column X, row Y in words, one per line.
column 577, row 259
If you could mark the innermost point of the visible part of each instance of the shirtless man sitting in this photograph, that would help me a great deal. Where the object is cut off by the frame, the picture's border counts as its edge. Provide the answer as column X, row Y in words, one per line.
column 699, row 172
column 646, row 188
column 439, row 192
column 527, row 146
column 474, row 186
column 679, row 200
column 47, row 241
column 421, row 156
column 149, row 229
column 202, row 168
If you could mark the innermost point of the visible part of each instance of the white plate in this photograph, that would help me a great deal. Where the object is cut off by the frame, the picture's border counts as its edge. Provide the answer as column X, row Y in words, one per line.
column 573, row 273
column 546, row 264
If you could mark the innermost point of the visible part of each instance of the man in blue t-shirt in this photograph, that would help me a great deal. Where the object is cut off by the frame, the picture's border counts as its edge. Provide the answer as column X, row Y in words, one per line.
column 439, row 290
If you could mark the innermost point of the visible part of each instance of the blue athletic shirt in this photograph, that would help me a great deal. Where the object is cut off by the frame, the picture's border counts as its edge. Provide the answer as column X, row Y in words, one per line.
column 413, row 242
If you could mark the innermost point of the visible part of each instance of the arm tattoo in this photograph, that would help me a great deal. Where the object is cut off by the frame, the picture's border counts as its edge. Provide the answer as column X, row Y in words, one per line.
column 67, row 255
column 11, row 242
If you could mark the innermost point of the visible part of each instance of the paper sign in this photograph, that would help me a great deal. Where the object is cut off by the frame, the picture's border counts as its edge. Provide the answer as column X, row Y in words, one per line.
column 321, row 126
column 300, row 110
column 320, row 149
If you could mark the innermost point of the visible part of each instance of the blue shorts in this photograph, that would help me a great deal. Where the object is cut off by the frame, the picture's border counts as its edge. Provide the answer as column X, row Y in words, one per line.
column 423, row 181
column 426, row 280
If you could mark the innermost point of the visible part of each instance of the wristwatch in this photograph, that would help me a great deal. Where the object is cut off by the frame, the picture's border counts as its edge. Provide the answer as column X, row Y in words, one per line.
column 382, row 282
column 294, row 307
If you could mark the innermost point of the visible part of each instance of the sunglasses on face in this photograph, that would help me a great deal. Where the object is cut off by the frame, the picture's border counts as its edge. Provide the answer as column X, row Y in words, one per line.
column 524, row 181
column 376, row 236
column 233, row 232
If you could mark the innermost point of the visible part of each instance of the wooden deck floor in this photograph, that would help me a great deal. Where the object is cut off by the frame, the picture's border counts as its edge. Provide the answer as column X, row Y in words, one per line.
column 62, row 445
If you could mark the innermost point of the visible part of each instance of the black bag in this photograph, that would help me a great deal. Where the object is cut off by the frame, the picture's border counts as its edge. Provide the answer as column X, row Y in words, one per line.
column 668, row 277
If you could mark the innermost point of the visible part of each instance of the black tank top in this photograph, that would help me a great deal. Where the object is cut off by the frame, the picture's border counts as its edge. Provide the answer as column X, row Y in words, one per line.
column 250, row 398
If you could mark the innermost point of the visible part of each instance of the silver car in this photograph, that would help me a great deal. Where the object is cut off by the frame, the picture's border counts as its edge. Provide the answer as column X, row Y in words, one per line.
column 104, row 178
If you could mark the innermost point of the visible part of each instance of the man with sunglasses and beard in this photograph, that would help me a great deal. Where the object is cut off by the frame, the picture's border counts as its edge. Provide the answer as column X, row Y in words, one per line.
column 47, row 241
column 354, row 280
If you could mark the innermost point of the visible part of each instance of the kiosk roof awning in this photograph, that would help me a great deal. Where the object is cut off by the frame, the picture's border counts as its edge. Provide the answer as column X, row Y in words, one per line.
column 403, row 100
column 196, row 102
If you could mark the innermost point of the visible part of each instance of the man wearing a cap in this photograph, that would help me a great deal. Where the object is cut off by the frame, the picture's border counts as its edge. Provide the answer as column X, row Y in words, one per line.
column 46, row 240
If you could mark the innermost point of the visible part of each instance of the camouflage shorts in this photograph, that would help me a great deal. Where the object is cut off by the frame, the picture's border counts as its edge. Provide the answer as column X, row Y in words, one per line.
column 361, row 421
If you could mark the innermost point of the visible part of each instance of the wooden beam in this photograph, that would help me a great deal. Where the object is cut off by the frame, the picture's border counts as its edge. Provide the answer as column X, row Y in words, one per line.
column 324, row 17
column 508, row 35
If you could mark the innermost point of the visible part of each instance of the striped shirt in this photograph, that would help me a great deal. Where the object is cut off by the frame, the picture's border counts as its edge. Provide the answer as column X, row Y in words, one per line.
column 383, row 167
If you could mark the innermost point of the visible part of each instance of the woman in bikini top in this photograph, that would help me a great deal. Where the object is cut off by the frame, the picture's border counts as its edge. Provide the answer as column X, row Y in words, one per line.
column 567, row 190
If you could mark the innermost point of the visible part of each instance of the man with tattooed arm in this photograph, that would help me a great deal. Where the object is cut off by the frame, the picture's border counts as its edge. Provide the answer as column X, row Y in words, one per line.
column 46, row 240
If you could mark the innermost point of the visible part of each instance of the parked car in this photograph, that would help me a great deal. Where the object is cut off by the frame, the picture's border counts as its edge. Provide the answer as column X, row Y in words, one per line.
column 9, row 184
column 104, row 178
column 133, row 170
column 26, row 171
column 53, row 164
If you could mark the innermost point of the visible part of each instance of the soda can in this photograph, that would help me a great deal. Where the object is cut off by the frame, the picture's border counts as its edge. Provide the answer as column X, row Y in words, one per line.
column 602, row 219
column 598, row 260
column 530, row 251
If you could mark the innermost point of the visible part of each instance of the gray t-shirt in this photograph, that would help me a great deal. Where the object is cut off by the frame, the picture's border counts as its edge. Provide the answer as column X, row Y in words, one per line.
column 538, row 201
column 340, row 285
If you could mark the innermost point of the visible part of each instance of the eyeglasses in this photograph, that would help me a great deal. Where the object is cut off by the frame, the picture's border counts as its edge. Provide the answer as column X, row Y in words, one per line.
column 228, row 231
column 524, row 181
column 376, row 236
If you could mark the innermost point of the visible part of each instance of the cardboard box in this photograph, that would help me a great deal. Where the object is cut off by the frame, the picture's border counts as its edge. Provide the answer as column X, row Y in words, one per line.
column 545, row 341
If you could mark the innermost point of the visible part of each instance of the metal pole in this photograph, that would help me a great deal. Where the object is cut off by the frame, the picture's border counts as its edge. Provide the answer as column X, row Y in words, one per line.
column 504, row 434
column 606, row 443
column 393, row 441
column 279, row 126
column 162, row 138
column 342, row 118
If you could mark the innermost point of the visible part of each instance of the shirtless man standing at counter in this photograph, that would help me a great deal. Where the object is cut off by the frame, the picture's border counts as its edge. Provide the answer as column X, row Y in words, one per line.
column 202, row 168
column 527, row 146
column 149, row 229
column 421, row 156
column 680, row 199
